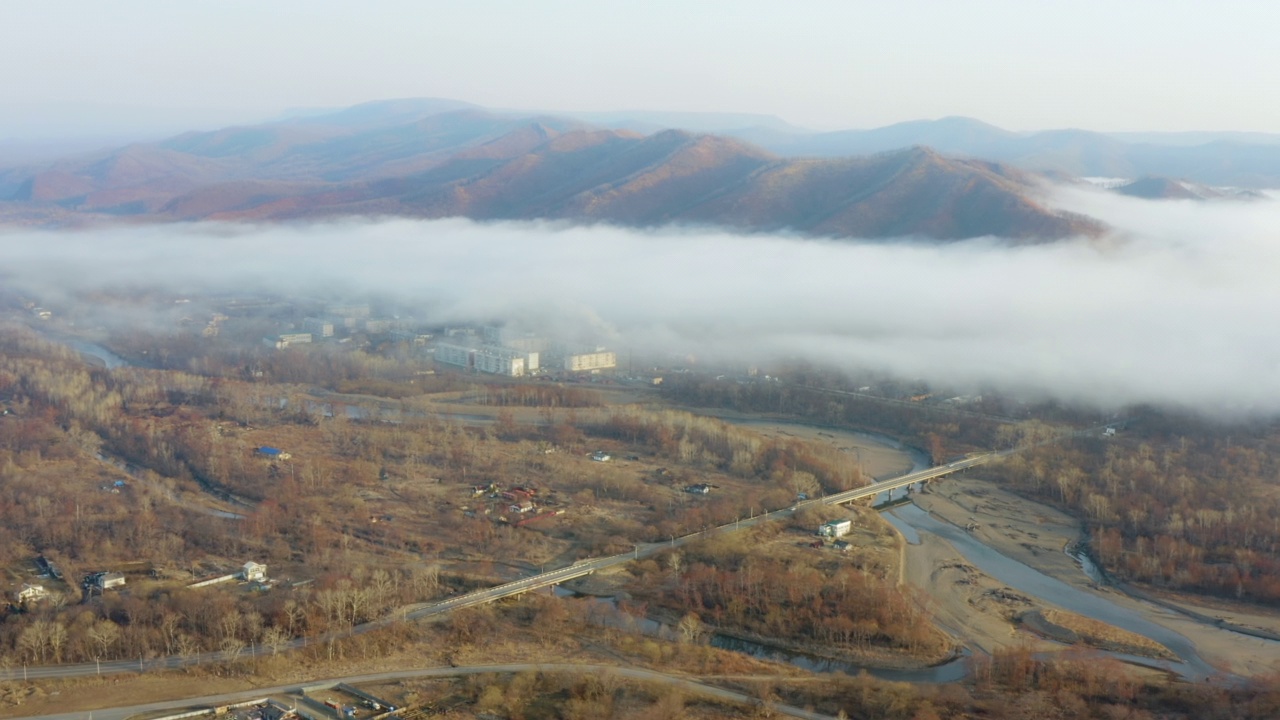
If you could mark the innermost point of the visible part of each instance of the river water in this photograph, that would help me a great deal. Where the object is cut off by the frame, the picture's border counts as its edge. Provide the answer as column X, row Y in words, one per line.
column 84, row 347
column 611, row 615
column 911, row 520
column 1056, row 592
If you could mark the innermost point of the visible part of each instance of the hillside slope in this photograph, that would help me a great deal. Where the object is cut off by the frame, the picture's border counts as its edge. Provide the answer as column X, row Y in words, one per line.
column 1234, row 159
column 462, row 161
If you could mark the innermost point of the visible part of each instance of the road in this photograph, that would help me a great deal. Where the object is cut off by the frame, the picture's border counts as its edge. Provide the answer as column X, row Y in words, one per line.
column 689, row 685
column 586, row 567
column 516, row 587
column 487, row 595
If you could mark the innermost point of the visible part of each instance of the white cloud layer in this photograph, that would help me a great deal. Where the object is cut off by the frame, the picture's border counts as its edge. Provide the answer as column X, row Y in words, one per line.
column 1180, row 307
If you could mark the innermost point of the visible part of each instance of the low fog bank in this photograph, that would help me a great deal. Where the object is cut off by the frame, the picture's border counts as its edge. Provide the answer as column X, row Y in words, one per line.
column 1178, row 308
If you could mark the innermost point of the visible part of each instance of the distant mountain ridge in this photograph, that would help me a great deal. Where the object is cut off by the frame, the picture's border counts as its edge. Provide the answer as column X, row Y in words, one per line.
column 440, row 158
column 1161, row 188
column 1249, row 160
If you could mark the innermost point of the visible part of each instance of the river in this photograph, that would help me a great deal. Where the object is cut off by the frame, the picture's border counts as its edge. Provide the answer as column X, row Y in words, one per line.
column 93, row 350
column 612, row 616
column 911, row 520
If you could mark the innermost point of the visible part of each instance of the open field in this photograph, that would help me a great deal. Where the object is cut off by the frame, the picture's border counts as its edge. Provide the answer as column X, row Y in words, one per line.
column 878, row 457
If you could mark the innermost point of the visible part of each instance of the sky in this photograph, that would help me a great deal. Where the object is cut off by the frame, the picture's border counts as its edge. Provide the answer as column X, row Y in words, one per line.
column 89, row 68
column 1177, row 309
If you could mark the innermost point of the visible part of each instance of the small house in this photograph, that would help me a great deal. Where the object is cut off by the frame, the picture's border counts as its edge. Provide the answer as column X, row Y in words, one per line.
column 835, row 528
column 841, row 546
column 31, row 594
column 601, row 456
column 522, row 507
column 105, row 580
column 699, row 489
column 254, row 572
column 271, row 453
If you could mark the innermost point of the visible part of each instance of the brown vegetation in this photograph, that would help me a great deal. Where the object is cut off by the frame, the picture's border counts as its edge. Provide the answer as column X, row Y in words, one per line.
column 1172, row 502
column 767, row 583
column 483, row 166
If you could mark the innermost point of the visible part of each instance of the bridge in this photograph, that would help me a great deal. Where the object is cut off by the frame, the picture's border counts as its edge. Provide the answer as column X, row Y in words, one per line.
column 586, row 567
column 524, row 585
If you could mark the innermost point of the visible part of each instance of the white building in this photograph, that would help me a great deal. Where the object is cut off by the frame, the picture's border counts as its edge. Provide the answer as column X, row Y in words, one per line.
column 492, row 359
column 835, row 528
column 451, row 354
column 106, row 580
column 285, row 340
column 254, row 572
column 378, row 326
column 348, row 310
column 528, row 343
column 31, row 593
column 318, row 326
column 500, row 361
column 591, row 361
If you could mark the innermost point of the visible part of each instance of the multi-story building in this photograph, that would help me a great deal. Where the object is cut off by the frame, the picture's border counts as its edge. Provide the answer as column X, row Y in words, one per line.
column 284, row 340
column 318, row 327
column 378, row 326
column 493, row 359
column 460, row 355
column 348, row 310
column 500, row 361
column 590, row 361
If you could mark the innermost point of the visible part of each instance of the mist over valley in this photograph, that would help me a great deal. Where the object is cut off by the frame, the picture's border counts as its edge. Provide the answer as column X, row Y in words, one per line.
column 578, row 361
column 1165, row 310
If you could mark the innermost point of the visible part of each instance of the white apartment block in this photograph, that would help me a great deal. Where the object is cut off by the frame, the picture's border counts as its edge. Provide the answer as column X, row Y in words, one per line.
column 591, row 362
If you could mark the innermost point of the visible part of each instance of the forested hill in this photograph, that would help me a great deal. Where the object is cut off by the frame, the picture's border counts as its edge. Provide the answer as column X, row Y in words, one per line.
column 441, row 160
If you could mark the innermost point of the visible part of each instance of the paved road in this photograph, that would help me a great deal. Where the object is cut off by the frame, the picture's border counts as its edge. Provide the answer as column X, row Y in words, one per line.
column 517, row 587
column 689, row 685
column 586, row 567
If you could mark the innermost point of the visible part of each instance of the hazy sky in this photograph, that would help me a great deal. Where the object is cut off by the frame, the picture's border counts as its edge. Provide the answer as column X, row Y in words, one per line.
column 92, row 67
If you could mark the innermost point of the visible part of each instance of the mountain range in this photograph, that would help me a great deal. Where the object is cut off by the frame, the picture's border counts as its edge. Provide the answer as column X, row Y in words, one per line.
column 1247, row 160
column 434, row 158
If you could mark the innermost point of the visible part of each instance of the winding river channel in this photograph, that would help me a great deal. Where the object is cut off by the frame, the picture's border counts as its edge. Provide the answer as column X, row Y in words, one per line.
column 912, row 521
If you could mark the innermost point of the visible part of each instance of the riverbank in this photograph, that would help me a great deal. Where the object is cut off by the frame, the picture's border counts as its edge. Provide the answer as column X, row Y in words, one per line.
column 1037, row 536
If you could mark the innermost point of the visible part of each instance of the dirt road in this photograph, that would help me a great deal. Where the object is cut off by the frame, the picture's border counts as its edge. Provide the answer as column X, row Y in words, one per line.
column 687, row 684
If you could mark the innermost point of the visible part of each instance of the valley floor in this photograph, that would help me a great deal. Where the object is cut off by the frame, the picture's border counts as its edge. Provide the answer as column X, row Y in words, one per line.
column 967, row 602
